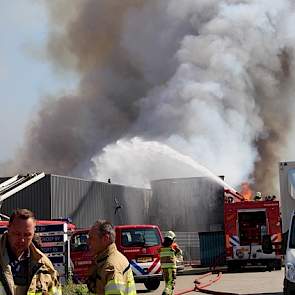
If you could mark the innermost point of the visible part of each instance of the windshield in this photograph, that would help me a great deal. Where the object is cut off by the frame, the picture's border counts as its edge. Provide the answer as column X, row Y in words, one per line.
column 292, row 234
column 140, row 237
column 291, row 182
column 79, row 242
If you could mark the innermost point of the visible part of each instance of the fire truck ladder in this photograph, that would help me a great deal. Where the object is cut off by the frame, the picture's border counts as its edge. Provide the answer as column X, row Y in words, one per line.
column 16, row 184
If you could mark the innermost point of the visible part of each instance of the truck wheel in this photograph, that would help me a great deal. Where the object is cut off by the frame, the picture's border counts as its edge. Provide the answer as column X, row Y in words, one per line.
column 152, row 284
column 287, row 291
column 288, row 288
column 270, row 266
column 233, row 266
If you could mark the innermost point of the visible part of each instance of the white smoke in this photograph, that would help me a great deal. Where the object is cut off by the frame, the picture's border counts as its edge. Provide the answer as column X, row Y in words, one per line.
column 210, row 79
column 216, row 76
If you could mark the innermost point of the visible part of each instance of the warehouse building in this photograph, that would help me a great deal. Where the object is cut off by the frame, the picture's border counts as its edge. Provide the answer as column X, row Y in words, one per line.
column 84, row 201
column 182, row 204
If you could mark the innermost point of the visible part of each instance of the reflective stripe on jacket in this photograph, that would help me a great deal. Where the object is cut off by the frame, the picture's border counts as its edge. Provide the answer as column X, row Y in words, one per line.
column 111, row 274
column 167, row 257
column 44, row 276
column 120, row 287
column 52, row 291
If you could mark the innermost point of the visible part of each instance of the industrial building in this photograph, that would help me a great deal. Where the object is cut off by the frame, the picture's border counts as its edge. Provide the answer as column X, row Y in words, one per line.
column 185, row 205
column 84, row 201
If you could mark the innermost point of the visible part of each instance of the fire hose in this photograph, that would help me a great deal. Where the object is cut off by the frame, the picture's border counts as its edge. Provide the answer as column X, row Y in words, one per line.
column 201, row 287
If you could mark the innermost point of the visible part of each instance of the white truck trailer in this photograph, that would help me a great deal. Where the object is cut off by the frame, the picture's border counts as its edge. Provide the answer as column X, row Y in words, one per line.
column 287, row 192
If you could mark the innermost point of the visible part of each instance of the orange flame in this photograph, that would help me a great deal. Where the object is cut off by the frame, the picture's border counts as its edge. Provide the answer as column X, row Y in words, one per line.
column 246, row 191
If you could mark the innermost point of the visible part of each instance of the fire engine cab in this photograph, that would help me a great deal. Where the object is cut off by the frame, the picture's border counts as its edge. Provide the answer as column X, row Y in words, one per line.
column 252, row 232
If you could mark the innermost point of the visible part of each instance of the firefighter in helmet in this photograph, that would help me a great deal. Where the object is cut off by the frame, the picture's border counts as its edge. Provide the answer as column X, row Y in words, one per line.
column 168, row 253
column 258, row 196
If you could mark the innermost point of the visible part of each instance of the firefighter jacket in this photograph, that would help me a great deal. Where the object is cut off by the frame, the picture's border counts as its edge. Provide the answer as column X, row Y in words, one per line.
column 111, row 274
column 168, row 256
column 42, row 277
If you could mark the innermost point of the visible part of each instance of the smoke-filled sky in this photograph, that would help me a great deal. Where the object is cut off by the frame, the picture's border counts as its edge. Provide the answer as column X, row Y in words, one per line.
column 25, row 72
column 155, row 80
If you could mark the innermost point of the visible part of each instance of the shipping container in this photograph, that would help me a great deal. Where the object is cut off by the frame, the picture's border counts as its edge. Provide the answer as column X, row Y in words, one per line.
column 212, row 248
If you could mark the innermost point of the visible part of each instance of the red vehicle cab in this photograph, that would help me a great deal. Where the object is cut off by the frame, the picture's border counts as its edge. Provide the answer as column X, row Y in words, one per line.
column 139, row 243
column 80, row 256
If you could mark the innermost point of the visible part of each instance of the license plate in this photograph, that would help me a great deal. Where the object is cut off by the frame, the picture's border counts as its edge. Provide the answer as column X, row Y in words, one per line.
column 144, row 259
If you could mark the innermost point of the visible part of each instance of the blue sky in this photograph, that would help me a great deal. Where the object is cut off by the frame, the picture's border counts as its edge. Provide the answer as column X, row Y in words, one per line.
column 25, row 75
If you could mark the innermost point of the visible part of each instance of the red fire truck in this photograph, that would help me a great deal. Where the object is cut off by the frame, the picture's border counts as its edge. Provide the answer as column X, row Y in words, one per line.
column 252, row 232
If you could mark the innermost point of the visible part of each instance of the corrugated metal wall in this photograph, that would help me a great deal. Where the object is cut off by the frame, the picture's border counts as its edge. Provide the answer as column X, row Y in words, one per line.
column 187, row 204
column 183, row 205
column 35, row 197
column 86, row 201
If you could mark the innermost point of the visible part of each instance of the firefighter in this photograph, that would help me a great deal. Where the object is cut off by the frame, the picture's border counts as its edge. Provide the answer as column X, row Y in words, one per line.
column 168, row 253
column 258, row 196
column 110, row 272
column 24, row 269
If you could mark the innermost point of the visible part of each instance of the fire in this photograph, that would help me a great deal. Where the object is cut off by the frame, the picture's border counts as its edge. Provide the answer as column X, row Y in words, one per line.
column 246, row 191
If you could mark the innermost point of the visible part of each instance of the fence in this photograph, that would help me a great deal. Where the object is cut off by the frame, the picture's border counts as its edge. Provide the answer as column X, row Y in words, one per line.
column 190, row 245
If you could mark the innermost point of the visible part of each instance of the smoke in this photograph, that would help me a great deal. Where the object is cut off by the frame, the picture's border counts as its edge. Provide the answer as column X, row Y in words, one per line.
column 211, row 79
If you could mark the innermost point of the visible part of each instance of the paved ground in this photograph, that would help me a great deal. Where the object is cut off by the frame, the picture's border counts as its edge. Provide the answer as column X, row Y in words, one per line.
column 255, row 281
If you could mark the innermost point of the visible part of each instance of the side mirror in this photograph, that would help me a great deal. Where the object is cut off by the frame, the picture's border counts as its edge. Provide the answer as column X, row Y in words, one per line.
column 267, row 244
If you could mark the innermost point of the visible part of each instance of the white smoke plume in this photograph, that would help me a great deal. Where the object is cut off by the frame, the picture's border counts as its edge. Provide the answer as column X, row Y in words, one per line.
column 211, row 79
column 226, row 104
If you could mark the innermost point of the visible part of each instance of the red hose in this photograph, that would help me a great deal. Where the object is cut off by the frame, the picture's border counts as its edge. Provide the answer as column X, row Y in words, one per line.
column 201, row 287
column 195, row 282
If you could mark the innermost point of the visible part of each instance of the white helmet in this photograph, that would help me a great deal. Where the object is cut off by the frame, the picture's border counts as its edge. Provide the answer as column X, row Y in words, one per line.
column 170, row 235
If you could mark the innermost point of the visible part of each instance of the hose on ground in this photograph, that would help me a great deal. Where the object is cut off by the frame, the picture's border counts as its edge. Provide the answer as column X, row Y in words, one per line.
column 201, row 287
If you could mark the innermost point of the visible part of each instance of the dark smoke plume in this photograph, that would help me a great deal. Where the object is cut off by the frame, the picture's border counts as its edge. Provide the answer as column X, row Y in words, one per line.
column 212, row 79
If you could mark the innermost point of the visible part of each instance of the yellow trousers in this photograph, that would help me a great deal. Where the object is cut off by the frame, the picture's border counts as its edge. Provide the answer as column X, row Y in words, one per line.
column 169, row 275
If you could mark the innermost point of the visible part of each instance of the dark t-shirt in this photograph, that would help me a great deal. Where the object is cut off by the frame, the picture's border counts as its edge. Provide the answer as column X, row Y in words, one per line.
column 19, row 267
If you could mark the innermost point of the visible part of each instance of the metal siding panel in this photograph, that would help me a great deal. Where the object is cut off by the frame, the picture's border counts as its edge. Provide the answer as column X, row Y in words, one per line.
column 186, row 204
column 35, row 197
column 136, row 204
column 212, row 248
column 86, row 201
column 67, row 194
column 101, row 203
column 91, row 206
